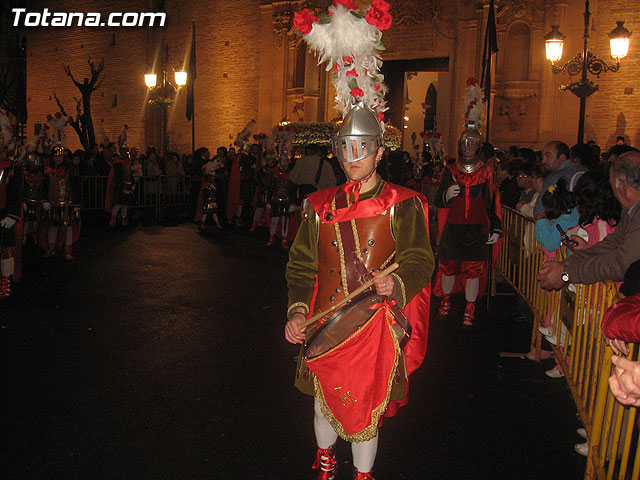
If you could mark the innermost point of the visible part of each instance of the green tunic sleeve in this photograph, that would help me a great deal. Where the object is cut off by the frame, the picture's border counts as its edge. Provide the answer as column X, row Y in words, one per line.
column 303, row 262
column 413, row 250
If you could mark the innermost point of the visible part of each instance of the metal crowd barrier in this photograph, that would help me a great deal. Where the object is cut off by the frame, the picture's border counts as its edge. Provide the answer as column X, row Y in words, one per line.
column 151, row 193
column 575, row 314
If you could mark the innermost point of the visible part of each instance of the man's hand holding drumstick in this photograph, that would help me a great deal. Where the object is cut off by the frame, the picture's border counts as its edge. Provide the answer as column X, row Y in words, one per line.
column 382, row 281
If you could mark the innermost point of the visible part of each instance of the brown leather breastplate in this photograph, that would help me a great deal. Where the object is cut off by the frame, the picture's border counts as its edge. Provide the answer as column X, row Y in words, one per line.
column 374, row 246
column 58, row 189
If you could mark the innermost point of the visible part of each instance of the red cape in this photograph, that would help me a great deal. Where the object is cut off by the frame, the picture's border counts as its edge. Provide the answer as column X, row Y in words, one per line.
column 233, row 196
column 417, row 309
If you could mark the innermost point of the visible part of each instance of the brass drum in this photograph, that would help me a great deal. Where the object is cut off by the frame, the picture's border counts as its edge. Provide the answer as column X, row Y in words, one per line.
column 343, row 323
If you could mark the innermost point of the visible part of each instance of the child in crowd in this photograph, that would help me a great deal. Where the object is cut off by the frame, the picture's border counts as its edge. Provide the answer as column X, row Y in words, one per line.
column 559, row 210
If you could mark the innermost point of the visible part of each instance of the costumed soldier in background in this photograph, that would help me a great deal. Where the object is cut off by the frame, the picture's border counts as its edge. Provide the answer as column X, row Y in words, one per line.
column 281, row 194
column 467, row 189
column 61, row 207
column 349, row 233
column 121, row 189
column 209, row 198
column 264, row 179
column 32, row 195
column 10, row 221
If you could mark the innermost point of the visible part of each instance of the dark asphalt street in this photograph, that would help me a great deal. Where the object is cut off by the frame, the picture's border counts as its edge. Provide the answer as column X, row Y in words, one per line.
column 159, row 354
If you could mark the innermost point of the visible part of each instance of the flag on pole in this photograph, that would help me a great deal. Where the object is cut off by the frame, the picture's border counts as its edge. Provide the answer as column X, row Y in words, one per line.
column 490, row 47
column 191, row 72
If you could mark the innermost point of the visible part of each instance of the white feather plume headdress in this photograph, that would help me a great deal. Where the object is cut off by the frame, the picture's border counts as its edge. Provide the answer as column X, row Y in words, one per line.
column 348, row 38
column 474, row 101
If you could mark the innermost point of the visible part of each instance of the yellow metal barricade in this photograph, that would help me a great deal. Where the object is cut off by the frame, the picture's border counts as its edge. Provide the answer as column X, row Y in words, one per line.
column 575, row 314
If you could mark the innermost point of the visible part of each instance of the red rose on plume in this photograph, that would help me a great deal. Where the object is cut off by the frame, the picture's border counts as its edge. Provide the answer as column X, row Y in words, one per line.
column 49, row 117
column 350, row 4
column 380, row 116
column 303, row 21
column 472, row 81
column 376, row 86
column 352, row 73
column 58, row 115
column 347, row 59
column 378, row 15
column 357, row 92
column 335, row 69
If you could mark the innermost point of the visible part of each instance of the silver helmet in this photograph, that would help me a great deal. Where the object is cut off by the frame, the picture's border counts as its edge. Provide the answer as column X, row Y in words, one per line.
column 359, row 135
column 469, row 144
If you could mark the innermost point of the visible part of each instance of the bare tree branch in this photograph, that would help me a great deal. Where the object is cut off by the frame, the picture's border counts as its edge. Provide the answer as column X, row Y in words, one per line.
column 68, row 70
column 59, row 104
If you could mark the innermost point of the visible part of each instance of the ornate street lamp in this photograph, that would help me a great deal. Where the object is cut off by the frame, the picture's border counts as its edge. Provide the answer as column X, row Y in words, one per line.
column 164, row 94
column 585, row 61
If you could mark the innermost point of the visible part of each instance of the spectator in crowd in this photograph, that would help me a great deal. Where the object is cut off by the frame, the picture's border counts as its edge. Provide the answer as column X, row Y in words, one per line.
column 582, row 154
column 539, row 172
column 620, row 140
column 555, row 155
column 489, row 155
column 106, row 160
column 187, row 164
column 610, row 258
column 312, row 172
column 512, row 152
column 527, row 155
column 510, row 191
column 525, row 183
column 88, row 167
column 174, row 171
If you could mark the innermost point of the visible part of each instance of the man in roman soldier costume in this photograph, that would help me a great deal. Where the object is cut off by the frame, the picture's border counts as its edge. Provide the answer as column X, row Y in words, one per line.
column 264, row 179
column 10, row 221
column 61, row 207
column 281, row 205
column 32, row 195
column 208, row 200
column 348, row 235
column 121, row 189
column 471, row 223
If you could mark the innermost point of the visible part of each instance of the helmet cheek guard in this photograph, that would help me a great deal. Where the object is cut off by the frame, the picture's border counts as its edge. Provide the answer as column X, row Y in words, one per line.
column 359, row 135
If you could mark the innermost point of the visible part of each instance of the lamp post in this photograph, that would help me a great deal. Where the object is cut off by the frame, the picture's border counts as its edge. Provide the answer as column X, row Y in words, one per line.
column 585, row 61
column 164, row 94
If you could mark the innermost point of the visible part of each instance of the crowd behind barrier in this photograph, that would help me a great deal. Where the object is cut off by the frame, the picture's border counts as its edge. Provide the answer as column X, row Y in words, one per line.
column 152, row 193
column 576, row 314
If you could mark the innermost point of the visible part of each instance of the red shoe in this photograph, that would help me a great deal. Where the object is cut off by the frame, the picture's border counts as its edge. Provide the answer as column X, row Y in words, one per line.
column 285, row 244
column 5, row 287
column 325, row 463
column 362, row 476
column 51, row 251
column 445, row 305
column 272, row 240
column 68, row 253
column 469, row 314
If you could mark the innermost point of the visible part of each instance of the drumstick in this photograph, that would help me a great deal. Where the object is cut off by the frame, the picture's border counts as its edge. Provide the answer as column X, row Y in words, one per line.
column 391, row 268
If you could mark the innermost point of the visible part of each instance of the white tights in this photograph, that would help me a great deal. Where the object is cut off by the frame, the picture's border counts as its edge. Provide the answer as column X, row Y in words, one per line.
column 123, row 209
column 470, row 287
column 364, row 453
column 7, row 266
column 53, row 234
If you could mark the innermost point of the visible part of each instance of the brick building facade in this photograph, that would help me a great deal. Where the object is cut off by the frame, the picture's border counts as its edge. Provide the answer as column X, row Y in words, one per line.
column 251, row 65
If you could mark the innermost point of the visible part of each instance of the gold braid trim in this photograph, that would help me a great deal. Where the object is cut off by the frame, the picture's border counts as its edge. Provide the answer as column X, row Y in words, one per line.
column 387, row 262
column 297, row 304
column 343, row 266
column 356, row 239
column 372, row 430
column 401, row 283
